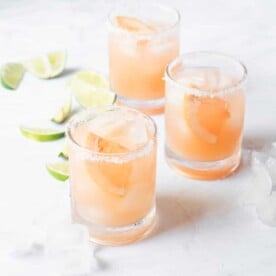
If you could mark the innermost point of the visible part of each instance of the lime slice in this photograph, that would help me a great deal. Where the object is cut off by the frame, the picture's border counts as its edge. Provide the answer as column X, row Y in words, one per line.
column 63, row 113
column 91, row 89
column 41, row 134
column 47, row 66
column 12, row 74
column 65, row 151
column 59, row 170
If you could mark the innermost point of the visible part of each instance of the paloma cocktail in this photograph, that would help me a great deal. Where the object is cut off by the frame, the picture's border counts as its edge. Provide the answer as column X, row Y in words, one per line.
column 112, row 160
column 143, row 39
column 205, row 101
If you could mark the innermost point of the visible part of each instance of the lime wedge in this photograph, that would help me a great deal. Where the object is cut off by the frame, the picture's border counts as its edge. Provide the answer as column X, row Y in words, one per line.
column 47, row 66
column 12, row 74
column 63, row 113
column 41, row 134
column 57, row 61
column 64, row 152
column 59, row 170
column 90, row 89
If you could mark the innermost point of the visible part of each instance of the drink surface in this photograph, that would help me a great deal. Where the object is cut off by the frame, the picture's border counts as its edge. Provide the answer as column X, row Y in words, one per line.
column 138, row 54
column 115, row 184
column 204, row 127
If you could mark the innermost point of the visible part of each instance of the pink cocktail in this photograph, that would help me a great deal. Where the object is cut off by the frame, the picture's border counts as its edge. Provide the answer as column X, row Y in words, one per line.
column 112, row 157
column 143, row 39
column 204, row 112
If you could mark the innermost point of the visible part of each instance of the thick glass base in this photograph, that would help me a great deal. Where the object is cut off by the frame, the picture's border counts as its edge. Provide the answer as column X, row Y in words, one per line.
column 203, row 170
column 119, row 235
column 150, row 107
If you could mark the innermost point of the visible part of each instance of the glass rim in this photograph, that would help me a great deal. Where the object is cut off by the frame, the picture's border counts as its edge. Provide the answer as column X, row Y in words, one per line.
column 106, row 156
column 153, row 4
column 201, row 92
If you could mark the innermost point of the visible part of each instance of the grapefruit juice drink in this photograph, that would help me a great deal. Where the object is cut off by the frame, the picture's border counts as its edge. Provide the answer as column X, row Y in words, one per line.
column 204, row 113
column 112, row 160
column 143, row 39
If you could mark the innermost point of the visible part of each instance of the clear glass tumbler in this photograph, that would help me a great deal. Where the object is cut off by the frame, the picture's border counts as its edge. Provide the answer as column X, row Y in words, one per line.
column 112, row 167
column 204, row 114
column 143, row 39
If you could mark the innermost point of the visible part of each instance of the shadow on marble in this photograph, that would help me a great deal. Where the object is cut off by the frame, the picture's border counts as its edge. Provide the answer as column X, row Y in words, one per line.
column 69, row 71
column 245, row 163
column 175, row 211
column 101, row 263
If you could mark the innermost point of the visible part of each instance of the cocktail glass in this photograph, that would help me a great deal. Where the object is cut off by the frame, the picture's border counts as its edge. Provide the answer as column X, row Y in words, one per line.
column 143, row 39
column 112, row 165
column 204, row 114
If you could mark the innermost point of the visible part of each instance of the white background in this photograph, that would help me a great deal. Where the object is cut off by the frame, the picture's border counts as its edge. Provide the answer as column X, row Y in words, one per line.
column 204, row 227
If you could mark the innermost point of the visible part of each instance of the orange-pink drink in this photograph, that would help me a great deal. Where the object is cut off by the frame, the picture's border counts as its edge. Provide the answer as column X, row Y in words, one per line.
column 205, row 101
column 142, row 42
column 112, row 157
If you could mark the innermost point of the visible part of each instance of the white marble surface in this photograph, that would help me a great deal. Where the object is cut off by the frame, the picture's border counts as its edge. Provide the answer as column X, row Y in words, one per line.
column 204, row 227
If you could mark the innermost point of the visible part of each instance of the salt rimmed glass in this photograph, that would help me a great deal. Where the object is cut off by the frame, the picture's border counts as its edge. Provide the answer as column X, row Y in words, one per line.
column 137, row 59
column 204, row 114
column 113, row 194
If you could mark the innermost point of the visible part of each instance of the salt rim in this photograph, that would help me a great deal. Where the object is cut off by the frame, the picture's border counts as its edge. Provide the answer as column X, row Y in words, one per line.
column 120, row 159
column 87, row 154
column 146, row 35
column 209, row 93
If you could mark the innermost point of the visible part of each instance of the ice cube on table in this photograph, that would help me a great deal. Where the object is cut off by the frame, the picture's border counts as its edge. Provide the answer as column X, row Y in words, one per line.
column 58, row 212
column 271, row 167
column 21, row 238
column 24, row 242
column 258, row 157
column 266, row 210
column 260, row 186
column 68, row 249
column 246, row 158
column 272, row 151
